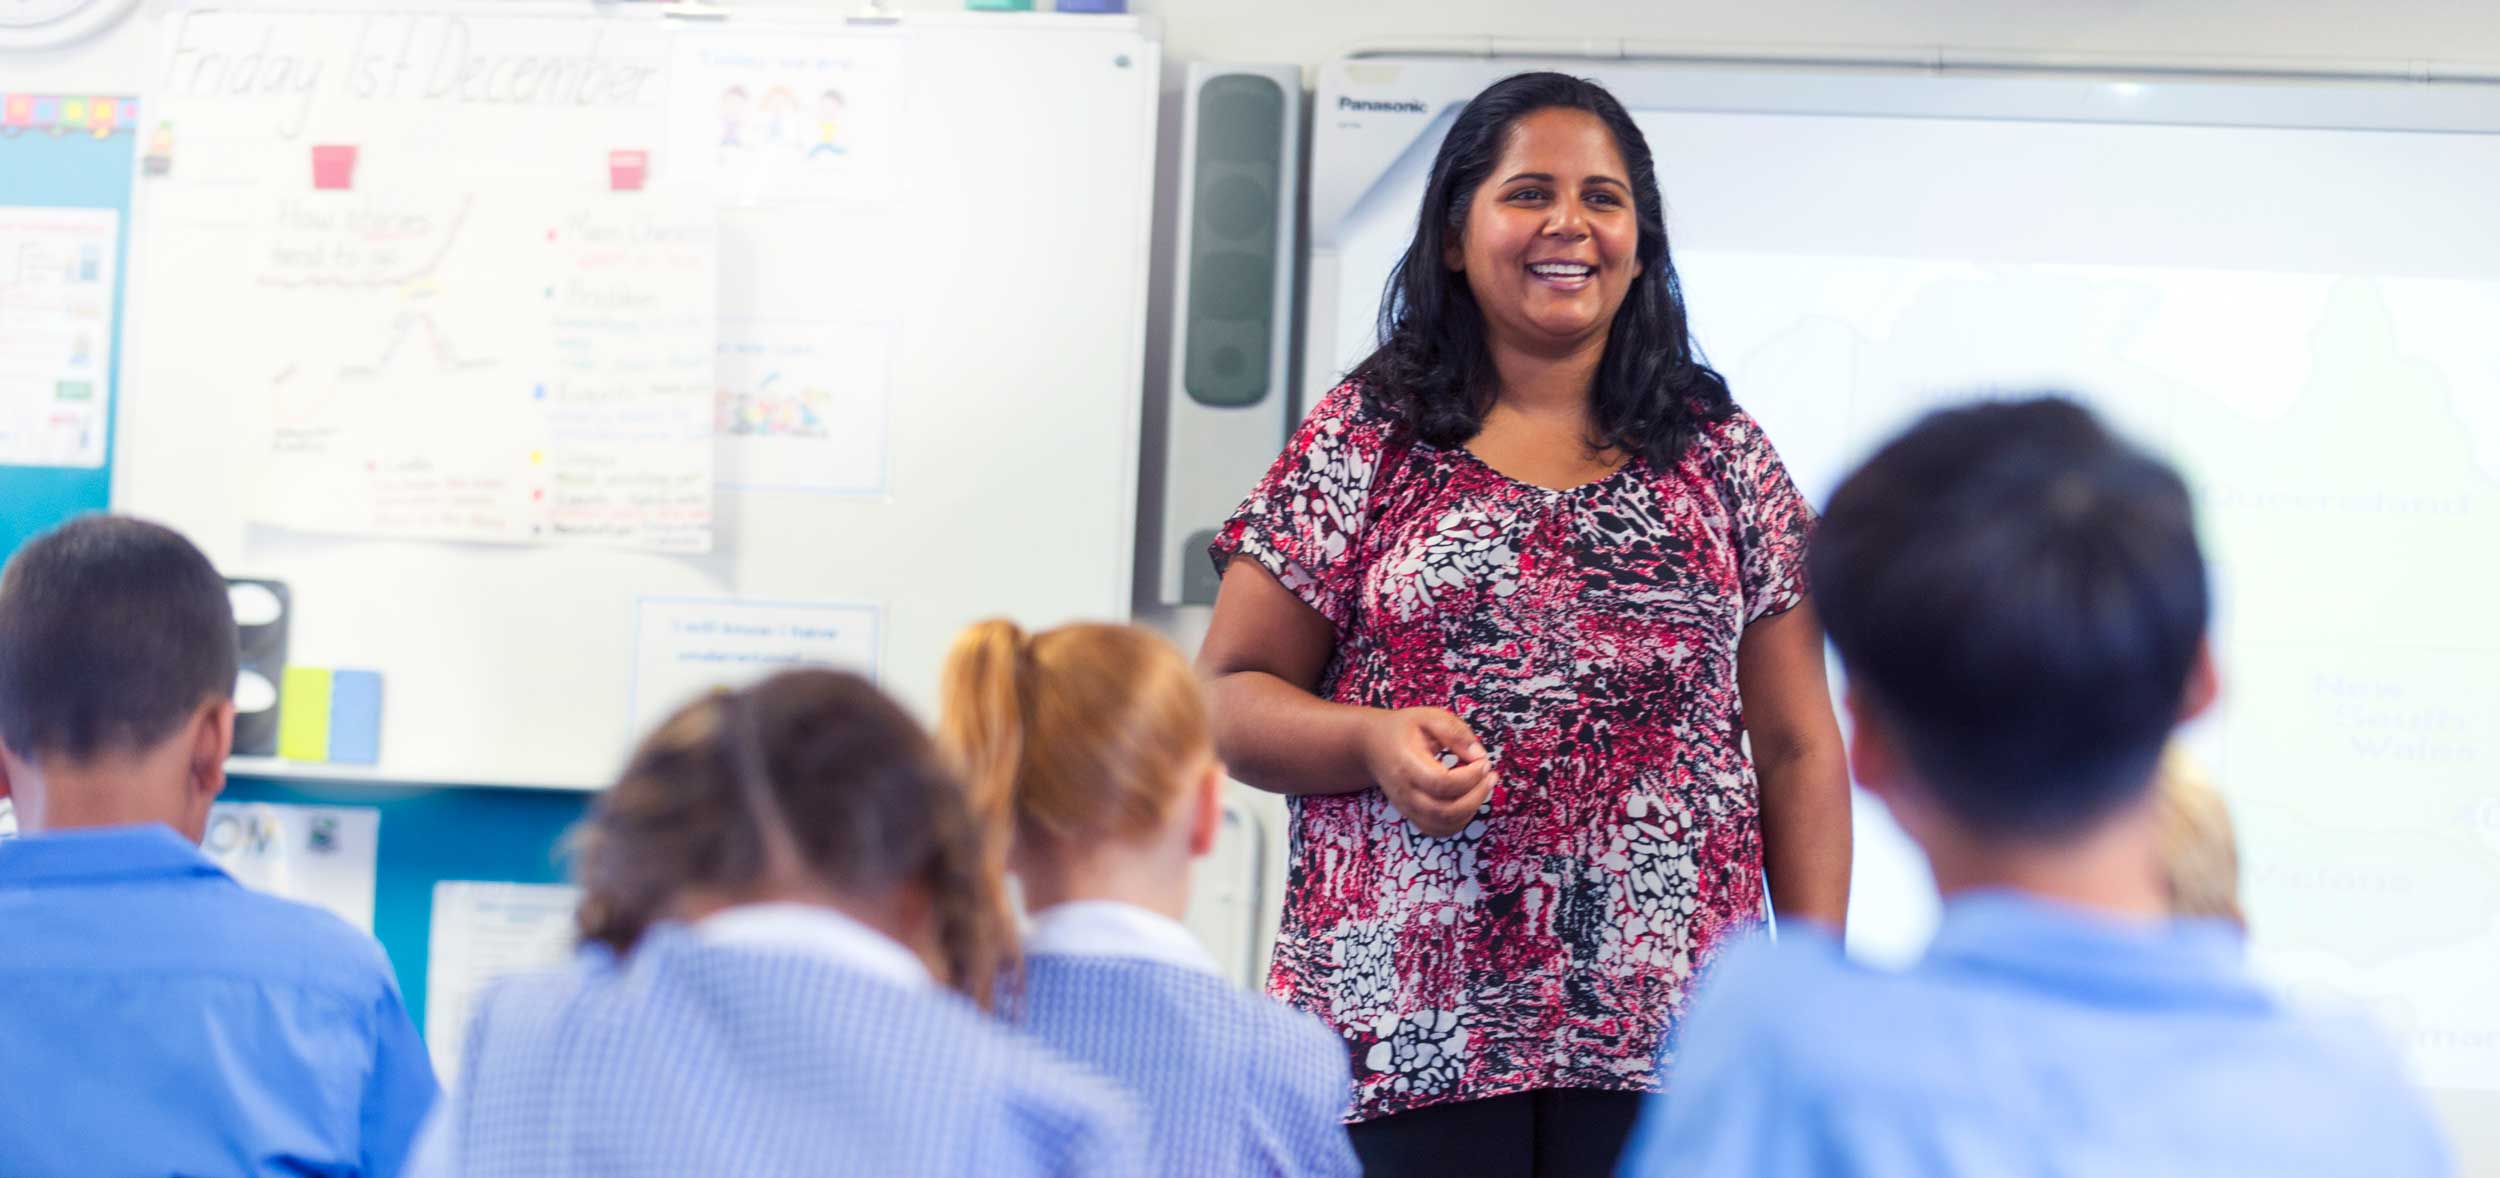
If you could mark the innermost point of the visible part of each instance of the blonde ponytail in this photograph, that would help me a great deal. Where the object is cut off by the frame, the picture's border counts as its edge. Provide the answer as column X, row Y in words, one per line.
column 1076, row 734
column 981, row 715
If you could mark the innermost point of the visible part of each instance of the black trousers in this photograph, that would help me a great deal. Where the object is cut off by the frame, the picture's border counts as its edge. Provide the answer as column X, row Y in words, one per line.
column 1551, row 1133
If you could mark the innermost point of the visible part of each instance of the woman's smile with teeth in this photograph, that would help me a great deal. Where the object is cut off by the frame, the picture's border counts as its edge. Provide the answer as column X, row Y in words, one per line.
column 1565, row 274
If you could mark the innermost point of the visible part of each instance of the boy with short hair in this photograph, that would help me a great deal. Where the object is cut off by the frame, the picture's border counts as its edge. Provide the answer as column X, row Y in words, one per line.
column 155, row 1016
column 2021, row 605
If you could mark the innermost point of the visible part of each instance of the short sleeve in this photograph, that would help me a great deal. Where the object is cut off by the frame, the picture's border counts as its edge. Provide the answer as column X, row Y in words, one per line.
column 1771, row 520
column 1303, row 523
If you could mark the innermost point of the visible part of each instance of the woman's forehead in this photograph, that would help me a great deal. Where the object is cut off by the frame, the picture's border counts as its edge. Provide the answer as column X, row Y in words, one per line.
column 1562, row 137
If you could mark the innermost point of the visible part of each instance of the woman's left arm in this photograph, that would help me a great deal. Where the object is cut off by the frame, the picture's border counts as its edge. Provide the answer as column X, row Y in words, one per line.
column 1803, row 769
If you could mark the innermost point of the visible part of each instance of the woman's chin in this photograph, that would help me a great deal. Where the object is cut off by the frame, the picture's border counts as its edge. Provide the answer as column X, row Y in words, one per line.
column 1563, row 330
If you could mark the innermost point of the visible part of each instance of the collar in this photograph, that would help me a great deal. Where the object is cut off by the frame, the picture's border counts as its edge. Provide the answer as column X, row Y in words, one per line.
column 103, row 853
column 1109, row 928
column 813, row 930
column 2091, row 956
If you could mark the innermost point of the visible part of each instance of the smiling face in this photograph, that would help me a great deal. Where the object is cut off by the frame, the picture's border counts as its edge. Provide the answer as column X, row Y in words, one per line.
column 1550, row 243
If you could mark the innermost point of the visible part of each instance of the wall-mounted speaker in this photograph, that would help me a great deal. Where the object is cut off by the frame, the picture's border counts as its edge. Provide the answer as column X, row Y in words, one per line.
column 261, row 615
column 1229, row 400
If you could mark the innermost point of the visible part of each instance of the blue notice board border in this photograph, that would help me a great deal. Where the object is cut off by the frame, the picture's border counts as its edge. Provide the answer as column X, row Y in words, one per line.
column 436, row 833
column 74, row 153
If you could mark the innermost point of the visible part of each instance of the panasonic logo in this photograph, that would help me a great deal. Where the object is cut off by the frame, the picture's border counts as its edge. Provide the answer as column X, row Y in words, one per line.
column 1407, row 107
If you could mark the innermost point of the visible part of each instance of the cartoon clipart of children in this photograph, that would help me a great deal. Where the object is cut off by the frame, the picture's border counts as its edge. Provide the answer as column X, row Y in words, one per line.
column 830, row 109
column 733, row 117
column 779, row 112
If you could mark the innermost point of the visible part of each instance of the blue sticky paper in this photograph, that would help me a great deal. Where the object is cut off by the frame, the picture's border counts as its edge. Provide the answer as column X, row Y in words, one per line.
column 1093, row 5
column 355, row 717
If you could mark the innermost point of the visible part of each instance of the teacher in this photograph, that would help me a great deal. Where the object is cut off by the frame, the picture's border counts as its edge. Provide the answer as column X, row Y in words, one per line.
column 1502, row 621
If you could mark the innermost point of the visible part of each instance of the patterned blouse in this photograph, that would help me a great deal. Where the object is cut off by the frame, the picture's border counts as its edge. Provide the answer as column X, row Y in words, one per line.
column 1588, row 637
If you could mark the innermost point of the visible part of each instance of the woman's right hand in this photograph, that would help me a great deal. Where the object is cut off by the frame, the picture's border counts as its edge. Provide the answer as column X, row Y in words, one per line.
column 1403, row 751
column 1266, row 653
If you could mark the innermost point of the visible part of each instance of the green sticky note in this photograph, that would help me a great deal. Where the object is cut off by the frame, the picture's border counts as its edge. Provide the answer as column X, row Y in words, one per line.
column 999, row 5
column 304, row 714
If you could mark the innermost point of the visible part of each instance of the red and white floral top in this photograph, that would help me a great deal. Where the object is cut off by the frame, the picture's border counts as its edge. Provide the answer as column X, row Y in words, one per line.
column 1588, row 637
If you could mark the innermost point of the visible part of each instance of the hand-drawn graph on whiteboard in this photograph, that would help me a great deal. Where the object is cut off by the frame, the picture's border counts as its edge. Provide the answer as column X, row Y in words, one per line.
column 802, row 406
column 780, row 121
column 433, row 317
column 534, row 370
column 520, row 110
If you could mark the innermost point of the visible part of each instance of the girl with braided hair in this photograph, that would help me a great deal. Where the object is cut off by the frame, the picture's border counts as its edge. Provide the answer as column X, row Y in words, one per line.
column 789, row 929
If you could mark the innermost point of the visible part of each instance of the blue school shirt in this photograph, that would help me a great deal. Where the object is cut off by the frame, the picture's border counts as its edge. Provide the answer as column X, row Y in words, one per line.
column 2032, row 1039
column 1230, row 1081
column 771, row 1039
column 156, row 1017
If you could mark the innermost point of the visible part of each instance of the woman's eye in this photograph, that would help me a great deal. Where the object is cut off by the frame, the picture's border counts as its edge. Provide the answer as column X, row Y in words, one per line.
column 1604, row 199
column 1528, row 194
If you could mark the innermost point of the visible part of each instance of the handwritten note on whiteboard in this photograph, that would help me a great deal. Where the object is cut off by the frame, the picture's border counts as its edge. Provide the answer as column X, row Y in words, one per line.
column 685, row 646
column 522, row 370
column 628, row 394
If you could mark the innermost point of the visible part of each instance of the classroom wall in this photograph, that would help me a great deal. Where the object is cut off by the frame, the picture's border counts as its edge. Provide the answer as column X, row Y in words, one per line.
column 2187, row 31
column 107, row 63
column 2409, row 37
column 2433, row 37
column 2398, row 34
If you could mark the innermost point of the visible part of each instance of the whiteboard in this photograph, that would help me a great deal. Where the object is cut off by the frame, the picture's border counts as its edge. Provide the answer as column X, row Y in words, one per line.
column 963, row 268
column 2287, row 286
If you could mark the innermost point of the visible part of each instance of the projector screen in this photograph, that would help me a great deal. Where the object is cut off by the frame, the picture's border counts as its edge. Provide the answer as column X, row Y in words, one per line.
column 2291, row 290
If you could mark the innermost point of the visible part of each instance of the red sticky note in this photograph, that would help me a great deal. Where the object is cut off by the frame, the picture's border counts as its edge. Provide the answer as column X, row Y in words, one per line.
column 626, row 170
column 334, row 166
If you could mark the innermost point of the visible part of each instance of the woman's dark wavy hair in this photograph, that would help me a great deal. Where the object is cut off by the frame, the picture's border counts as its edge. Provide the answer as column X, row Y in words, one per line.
column 1435, row 372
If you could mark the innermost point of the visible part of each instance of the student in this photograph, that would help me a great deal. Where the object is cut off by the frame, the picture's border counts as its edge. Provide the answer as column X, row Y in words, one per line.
column 2020, row 604
column 785, row 906
column 156, row 1016
column 1089, row 749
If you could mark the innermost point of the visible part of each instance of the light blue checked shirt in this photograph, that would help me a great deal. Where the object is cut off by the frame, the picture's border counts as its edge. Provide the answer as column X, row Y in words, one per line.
column 2032, row 1039
column 156, row 1017
column 775, row 1039
column 1231, row 1082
